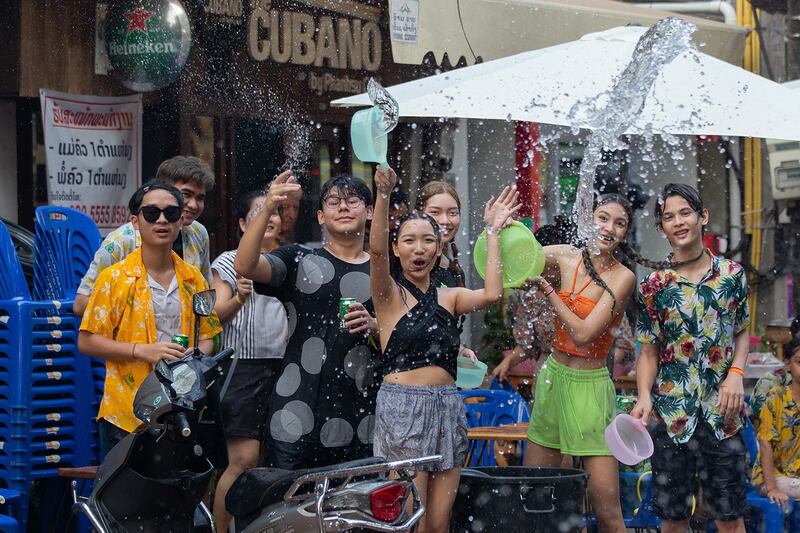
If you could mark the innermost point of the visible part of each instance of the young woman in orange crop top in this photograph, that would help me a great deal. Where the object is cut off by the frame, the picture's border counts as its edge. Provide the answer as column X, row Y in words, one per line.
column 574, row 399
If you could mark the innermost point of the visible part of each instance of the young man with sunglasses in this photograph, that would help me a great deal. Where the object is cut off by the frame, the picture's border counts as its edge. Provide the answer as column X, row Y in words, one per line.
column 322, row 408
column 693, row 320
column 194, row 178
column 137, row 305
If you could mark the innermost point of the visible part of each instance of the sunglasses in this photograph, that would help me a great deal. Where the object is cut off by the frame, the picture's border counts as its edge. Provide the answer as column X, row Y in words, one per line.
column 152, row 213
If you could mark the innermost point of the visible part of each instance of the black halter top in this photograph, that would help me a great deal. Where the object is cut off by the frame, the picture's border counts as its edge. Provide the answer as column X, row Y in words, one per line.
column 427, row 335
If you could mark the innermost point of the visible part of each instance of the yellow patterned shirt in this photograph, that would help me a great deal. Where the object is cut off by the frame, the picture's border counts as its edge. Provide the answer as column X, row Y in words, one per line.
column 121, row 308
column 123, row 240
column 780, row 426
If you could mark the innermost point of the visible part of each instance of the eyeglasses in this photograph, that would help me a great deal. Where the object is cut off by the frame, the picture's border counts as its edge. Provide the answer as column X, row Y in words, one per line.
column 152, row 213
column 332, row 202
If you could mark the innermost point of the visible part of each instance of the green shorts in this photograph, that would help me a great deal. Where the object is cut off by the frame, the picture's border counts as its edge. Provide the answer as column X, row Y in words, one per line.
column 571, row 409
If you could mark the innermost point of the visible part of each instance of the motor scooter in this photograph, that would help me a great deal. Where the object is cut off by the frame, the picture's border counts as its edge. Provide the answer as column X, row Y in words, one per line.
column 155, row 478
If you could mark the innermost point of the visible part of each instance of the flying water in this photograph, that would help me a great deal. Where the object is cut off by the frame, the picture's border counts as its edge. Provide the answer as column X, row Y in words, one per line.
column 611, row 113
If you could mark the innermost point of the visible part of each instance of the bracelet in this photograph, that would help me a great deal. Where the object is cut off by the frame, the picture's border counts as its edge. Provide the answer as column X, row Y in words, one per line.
column 489, row 230
column 239, row 299
column 133, row 351
column 736, row 370
column 770, row 491
column 552, row 290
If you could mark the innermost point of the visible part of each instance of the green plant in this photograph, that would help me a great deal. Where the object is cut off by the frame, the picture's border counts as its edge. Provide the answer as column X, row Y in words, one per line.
column 498, row 336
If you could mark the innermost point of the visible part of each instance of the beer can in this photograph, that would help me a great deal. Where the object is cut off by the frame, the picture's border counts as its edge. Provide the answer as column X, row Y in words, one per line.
column 625, row 404
column 344, row 308
column 183, row 340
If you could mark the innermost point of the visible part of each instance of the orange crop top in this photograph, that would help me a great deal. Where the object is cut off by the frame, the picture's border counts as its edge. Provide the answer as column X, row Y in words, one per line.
column 582, row 307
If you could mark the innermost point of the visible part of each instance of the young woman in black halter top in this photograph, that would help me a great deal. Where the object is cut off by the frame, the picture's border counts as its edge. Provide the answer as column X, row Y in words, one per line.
column 419, row 411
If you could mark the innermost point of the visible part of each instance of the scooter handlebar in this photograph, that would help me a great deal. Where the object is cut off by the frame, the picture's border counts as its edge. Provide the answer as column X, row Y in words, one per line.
column 183, row 424
column 224, row 354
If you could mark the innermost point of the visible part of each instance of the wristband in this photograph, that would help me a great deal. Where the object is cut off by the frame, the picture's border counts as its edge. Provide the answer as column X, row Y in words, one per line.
column 133, row 351
column 551, row 291
column 490, row 230
column 770, row 491
column 736, row 370
column 239, row 299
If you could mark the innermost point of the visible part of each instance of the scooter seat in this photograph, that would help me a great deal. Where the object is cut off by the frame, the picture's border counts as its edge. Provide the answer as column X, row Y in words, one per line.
column 260, row 487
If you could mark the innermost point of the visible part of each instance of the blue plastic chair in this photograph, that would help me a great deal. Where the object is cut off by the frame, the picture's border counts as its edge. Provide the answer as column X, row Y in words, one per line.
column 12, row 281
column 65, row 243
column 637, row 511
column 491, row 408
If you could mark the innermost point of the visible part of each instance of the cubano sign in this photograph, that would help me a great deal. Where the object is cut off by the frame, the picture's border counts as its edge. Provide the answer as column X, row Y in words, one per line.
column 148, row 42
column 343, row 43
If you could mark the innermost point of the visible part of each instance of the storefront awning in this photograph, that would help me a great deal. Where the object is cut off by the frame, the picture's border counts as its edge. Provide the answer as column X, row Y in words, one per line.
column 491, row 29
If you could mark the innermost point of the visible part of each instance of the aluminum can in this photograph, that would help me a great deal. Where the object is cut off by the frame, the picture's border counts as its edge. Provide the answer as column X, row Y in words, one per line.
column 344, row 308
column 183, row 340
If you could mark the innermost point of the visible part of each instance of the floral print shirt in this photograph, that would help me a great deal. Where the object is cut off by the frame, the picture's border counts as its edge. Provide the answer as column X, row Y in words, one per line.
column 121, row 309
column 694, row 326
column 123, row 240
column 764, row 385
column 779, row 424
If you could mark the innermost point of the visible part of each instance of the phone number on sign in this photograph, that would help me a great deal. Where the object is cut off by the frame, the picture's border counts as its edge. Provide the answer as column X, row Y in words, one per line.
column 105, row 215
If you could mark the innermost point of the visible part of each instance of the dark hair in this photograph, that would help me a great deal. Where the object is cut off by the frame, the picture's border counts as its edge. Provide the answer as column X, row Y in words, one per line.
column 429, row 190
column 790, row 347
column 395, row 268
column 246, row 201
column 397, row 198
column 186, row 168
column 349, row 185
column 795, row 326
column 687, row 192
column 135, row 203
column 602, row 200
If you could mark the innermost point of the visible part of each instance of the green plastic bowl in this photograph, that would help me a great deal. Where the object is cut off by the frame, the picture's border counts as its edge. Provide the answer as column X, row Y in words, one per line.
column 367, row 135
column 521, row 253
column 469, row 374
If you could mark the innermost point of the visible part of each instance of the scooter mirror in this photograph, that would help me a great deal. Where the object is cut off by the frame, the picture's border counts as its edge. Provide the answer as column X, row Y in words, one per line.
column 203, row 302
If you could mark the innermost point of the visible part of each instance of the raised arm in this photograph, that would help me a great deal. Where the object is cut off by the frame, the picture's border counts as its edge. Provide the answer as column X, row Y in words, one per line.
column 249, row 262
column 381, row 283
column 496, row 216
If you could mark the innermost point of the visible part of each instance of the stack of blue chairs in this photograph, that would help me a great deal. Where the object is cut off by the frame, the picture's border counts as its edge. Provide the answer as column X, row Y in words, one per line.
column 66, row 241
column 49, row 393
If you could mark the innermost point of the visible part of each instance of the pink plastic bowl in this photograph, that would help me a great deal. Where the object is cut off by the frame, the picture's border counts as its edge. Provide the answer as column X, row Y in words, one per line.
column 628, row 439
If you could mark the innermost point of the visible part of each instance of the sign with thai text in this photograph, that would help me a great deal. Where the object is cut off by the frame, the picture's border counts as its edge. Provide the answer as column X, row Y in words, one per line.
column 93, row 148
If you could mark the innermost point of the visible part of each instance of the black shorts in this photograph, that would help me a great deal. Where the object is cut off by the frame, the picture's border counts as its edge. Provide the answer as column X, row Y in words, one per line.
column 717, row 465
column 246, row 402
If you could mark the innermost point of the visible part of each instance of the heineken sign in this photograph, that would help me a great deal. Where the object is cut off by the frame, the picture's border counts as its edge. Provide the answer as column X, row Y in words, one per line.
column 148, row 42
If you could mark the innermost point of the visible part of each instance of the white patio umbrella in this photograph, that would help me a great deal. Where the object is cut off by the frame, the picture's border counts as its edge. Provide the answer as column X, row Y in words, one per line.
column 694, row 94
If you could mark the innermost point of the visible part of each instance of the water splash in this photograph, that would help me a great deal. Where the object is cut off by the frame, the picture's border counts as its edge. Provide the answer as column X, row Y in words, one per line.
column 612, row 112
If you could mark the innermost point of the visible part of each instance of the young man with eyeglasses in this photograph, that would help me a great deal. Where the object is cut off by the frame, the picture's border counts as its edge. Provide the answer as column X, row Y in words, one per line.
column 137, row 305
column 322, row 408
column 194, row 178
column 692, row 325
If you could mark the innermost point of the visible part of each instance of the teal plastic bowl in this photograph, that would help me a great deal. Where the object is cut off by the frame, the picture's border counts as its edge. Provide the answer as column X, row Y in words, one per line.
column 367, row 135
column 469, row 374
column 522, row 255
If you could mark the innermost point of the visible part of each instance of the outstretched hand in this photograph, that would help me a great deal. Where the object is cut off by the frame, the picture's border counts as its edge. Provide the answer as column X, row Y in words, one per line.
column 385, row 181
column 498, row 212
column 280, row 189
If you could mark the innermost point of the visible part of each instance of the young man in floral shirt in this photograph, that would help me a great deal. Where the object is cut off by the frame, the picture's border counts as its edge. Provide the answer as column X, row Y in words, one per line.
column 194, row 178
column 137, row 305
column 693, row 320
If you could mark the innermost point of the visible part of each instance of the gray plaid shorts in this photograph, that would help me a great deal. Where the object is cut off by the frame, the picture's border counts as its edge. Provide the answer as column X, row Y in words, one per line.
column 413, row 422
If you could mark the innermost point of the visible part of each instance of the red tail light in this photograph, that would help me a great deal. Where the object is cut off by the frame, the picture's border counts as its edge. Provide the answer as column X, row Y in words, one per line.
column 387, row 502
